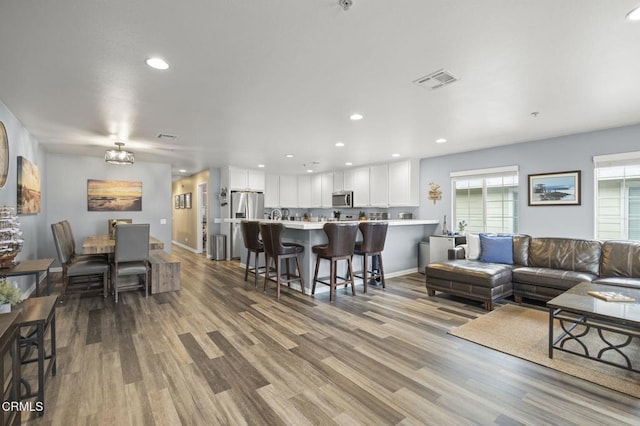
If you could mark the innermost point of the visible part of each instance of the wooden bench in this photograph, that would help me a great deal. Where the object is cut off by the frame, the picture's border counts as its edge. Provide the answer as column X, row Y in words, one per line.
column 165, row 272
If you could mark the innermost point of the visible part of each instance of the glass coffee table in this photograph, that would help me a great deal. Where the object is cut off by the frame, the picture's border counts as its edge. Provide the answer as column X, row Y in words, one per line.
column 581, row 316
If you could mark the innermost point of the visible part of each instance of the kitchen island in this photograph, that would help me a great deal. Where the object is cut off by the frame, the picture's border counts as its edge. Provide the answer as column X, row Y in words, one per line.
column 400, row 255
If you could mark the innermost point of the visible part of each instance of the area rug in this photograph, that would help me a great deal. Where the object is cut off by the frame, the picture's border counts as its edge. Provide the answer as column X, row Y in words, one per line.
column 523, row 332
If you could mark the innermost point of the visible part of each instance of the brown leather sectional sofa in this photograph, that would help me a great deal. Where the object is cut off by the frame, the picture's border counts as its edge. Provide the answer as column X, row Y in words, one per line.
column 542, row 269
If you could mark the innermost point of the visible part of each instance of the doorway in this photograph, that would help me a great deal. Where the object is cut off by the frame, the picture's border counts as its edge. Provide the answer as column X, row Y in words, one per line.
column 202, row 221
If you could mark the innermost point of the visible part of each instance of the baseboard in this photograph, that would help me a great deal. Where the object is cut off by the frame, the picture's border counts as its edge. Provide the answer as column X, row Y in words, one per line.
column 191, row 249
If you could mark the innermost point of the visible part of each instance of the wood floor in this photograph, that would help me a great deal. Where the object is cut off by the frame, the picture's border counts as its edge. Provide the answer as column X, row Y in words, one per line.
column 220, row 352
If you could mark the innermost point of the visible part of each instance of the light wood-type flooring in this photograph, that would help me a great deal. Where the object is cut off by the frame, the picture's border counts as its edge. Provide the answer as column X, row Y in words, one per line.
column 220, row 352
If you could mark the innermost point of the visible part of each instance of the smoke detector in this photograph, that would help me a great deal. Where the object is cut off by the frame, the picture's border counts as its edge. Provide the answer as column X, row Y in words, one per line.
column 437, row 79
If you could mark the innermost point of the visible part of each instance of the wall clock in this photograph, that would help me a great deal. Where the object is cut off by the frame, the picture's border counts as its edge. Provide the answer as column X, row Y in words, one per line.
column 4, row 155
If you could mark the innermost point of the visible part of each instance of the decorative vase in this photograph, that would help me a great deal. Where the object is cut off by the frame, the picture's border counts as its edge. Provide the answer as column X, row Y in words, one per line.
column 5, row 308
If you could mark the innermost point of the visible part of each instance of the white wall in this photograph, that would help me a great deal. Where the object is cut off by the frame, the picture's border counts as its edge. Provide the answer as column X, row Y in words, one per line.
column 67, row 177
column 566, row 153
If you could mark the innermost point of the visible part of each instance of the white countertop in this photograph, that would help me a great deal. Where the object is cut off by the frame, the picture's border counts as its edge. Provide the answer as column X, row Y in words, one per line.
column 298, row 224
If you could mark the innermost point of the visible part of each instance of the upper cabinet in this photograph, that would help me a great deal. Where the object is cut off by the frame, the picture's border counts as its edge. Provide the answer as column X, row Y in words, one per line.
column 304, row 191
column 403, row 183
column 288, row 191
column 359, row 186
column 237, row 179
column 327, row 187
column 272, row 191
column 379, row 185
column 338, row 182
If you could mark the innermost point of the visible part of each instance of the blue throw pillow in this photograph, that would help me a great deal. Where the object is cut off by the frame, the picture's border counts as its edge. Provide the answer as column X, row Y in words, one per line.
column 496, row 248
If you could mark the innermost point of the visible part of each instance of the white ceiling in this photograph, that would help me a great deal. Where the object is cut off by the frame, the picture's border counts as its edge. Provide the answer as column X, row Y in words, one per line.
column 253, row 80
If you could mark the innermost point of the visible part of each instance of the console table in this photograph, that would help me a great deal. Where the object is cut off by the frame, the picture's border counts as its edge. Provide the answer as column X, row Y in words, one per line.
column 38, row 316
column 9, row 367
column 31, row 267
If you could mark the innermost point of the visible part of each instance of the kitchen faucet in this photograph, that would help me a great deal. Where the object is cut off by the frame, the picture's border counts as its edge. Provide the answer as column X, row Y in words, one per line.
column 276, row 214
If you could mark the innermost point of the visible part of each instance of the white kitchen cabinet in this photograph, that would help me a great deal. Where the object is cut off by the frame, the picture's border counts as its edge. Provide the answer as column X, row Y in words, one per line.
column 304, row 191
column 360, row 187
column 338, row 182
column 316, row 191
column 379, row 185
column 288, row 191
column 404, row 183
column 245, row 180
column 349, row 180
column 256, row 180
column 327, row 188
column 272, row 191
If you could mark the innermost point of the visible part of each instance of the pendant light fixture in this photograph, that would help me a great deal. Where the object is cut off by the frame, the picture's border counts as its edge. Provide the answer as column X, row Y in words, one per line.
column 118, row 156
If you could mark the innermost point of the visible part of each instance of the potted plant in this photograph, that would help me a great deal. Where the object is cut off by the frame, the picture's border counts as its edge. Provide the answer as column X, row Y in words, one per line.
column 9, row 295
column 462, row 225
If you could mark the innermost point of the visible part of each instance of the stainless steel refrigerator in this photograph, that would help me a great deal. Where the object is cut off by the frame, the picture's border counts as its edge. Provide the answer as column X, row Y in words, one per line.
column 244, row 205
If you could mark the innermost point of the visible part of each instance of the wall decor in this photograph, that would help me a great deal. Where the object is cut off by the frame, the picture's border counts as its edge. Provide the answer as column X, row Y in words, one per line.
column 4, row 155
column 187, row 200
column 434, row 192
column 114, row 196
column 28, row 187
column 555, row 189
column 176, row 204
column 182, row 201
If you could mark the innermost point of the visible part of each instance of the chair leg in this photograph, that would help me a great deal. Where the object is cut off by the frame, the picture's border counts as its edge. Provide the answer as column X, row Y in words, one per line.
column 255, row 270
column 365, row 269
column 278, row 265
column 267, row 271
column 315, row 276
column 146, row 284
column 353, row 279
column 287, row 264
column 381, row 270
column 104, row 283
column 300, row 273
column 332, row 280
column 115, row 286
column 246, row 269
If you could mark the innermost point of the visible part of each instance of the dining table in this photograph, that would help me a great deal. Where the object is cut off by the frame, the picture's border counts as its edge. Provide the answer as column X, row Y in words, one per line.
column 104, row 244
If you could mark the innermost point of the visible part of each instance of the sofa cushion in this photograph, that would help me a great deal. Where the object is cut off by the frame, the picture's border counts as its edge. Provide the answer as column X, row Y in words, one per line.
column 619, row 281
column 521, row 244
column 496, row 248
column 546, row 277
column 620, row 259
column 470, row 272
column 473, row 246
column 565, row 254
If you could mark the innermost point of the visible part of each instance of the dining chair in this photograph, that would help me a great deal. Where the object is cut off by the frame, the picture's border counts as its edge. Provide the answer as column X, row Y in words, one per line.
column 341, row 242
column 276, row 249
column 374, row 235
column 253, row 243
column 131, row 257
column 78, row 272
column 70, row 239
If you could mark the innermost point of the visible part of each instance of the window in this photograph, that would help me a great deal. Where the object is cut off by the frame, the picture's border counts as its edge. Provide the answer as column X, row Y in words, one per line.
column 617, row 196
column 486, row 199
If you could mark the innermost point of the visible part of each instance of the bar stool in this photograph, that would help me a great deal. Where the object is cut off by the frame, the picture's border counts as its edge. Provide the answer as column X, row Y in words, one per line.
column 275, row 249
column 250, row 235
column 342, row 238
column 374, row 235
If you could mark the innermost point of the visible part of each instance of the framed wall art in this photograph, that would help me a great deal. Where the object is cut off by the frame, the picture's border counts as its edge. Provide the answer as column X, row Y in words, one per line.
column 114, row 196
column 555, row 189
column 182, row 201
column 187, row 200
column 28, row 187
column 176, row 204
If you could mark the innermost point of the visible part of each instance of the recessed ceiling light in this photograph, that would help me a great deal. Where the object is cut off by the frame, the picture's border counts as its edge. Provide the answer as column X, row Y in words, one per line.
column 441, row 140
column 157, row 63
column 395, row 155
column 261, row 165
column 348, row 164
column 309, row 171
column 289, row 155
column 182, row 171
column 356, row 117
column 634, row 15
column 339, row 144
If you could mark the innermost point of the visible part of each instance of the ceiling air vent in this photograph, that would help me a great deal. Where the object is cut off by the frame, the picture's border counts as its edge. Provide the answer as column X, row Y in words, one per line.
column 166, row 136
column 436, row 79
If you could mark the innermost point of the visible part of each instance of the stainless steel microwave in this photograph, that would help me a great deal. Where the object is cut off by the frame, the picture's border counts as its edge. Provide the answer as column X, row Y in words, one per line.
column 342, row 199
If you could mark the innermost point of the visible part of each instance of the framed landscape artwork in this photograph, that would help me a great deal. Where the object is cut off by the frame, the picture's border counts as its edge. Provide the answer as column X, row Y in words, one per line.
column 28, row 187
column 187, row 200
column 555, row 189
column 4, row 155
column 114, row 196
column 176, row 204
column 182, row 201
